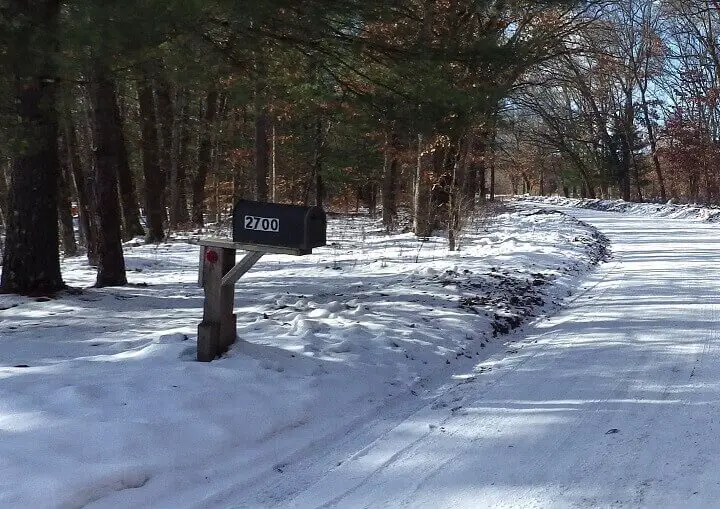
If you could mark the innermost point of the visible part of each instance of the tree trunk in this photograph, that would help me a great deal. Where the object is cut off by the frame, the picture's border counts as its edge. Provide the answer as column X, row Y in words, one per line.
column 481, row 173
column 490, row 150
column 262, row 147
column 65, row 207
column 653, row 148
column 166, row 117
column 526, row 188
column 82, row 187
column 111, row 263
column 273, row 165
column 204, row 159
column 454, row 206
column 492, row 175
column 390, row 182
column 626, row 148
column 154, row 186
column 3, row 194
column 470, row 186
column 128, row 193
column 31, row 259
column 262, row 128
column 238, row 171
column 421, row 196
column 577, row 162
column 178, row 180
column 372, row 199
column 638, row 178
column 216, row 212
column 317, row 163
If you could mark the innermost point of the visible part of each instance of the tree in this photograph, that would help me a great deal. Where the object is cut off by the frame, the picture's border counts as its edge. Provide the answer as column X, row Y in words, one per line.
column 31, row 258
column 111, row 263
column 204, row 158
column 154, row 181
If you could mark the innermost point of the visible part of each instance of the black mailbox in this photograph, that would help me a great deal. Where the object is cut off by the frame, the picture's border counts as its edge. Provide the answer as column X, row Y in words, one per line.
column 275, row 224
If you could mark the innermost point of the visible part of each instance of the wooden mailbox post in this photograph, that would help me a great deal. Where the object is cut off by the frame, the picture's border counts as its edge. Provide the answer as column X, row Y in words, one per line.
column 258, row 228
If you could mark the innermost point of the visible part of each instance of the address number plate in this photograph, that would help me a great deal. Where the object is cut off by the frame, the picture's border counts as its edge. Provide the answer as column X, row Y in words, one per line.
column 263, row 224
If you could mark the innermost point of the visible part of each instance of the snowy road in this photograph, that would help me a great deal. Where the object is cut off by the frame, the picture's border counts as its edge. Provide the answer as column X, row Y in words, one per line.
column 612, row 403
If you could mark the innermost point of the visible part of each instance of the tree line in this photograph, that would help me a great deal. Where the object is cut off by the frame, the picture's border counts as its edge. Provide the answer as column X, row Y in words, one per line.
column 630, row 111
column 142, row 117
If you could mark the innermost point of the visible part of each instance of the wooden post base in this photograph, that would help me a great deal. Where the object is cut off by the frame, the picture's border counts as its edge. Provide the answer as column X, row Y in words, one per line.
column 218, row 274
column 207, row 341
column 215, row 338
column 217, row 331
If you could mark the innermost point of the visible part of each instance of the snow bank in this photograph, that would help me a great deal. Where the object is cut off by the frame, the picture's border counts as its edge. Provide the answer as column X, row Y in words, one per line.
column 103, row 405
column 669, row 210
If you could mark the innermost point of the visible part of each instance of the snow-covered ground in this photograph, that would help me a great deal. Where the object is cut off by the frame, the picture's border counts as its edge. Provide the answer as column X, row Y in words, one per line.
column 103, row 405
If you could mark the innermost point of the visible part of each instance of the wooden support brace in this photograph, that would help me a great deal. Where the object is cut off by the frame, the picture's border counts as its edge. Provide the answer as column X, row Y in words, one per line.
column 241, row 268
column 217, row 275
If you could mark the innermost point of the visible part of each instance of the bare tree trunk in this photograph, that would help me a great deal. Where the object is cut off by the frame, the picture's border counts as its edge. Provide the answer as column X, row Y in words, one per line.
column 318, row 161
column 492, row 175
column 65, row 207
column 166, row 118
column 216, row 213
column 470, row 186
column 262, row 123
column 178, row 185
column 3, row 194
column 126, row 181
column 452, row 216
column 273, row 164
column 31, row 259
column 111, row 263
column 482, row 155
column 455, row 162
column 627, row 129
column 239, row 174
column 390, row 182
column 154, row 210
column 491, row 148
column 638, row 179
column 482, row 180
column 372, row 199
column 421, row 196
column 526, row 188
column 84, row 189
column 653, row 149
column 204, row 159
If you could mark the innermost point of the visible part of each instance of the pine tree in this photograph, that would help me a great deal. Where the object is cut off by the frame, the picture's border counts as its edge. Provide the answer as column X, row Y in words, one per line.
column 31, row 261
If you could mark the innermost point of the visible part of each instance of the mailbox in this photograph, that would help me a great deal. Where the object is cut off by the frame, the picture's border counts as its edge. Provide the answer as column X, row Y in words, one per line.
column 275, row 224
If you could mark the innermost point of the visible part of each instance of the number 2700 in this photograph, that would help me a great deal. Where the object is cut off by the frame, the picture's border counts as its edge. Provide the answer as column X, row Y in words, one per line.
column 263, row 224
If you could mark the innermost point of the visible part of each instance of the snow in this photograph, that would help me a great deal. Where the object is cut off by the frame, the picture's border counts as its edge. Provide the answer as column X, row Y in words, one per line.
column 103, row 405
column 383, row 372
column 668, row 210
column 610, row 403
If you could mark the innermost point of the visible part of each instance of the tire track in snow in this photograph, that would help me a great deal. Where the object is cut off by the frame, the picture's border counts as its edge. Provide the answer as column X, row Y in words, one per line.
column 413, row 452
column 627, row 445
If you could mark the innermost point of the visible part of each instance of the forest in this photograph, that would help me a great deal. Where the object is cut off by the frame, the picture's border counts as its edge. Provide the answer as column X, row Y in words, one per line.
column 148, row 117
